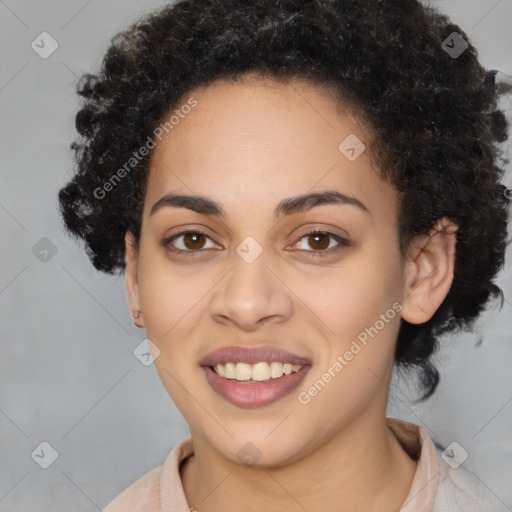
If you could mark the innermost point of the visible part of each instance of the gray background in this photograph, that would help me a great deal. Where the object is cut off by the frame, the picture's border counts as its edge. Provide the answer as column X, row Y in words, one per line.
column 68, row 373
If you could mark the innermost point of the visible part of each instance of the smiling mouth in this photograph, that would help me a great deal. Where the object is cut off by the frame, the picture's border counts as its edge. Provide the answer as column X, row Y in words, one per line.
column 246, row 373
column 247, row 392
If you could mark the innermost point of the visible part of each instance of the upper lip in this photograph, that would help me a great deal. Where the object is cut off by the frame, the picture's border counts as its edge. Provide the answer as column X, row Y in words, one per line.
column 251, row 356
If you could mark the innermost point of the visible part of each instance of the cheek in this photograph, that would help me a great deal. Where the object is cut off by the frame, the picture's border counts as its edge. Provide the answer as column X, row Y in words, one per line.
column 362, row 308
column 353, row 296
column 171, row 304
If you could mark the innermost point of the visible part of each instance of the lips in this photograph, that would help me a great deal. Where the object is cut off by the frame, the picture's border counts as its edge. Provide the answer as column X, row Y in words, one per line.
column 251, row 394
column 252, row 356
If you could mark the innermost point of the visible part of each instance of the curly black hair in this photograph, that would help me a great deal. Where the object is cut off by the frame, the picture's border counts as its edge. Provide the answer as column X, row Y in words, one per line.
column 412, row 75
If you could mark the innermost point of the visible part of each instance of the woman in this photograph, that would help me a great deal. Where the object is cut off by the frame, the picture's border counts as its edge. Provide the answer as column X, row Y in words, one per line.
column 301, row 194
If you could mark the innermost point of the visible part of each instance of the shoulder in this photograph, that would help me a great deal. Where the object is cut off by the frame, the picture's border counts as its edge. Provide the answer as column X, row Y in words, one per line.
column 143, row 495
column 442, row 483
column 159, row 489
column 459, row 489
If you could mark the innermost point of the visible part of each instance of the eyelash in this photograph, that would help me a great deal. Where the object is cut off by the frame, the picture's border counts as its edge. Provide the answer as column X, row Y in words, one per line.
column 315, row 253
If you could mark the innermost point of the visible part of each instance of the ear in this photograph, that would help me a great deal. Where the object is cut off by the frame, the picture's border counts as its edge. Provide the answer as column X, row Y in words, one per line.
column 429, row 271
column 131, row 271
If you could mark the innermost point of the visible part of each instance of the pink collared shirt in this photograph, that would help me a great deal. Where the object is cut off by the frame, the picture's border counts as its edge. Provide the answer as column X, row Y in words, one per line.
column 436, row 487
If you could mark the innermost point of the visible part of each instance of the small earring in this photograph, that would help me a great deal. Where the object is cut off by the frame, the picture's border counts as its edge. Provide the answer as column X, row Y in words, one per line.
column 421, row 309
column 136, row 314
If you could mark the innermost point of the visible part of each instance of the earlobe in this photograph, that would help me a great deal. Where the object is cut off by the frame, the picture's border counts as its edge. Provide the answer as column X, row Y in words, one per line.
column 132, row 285
column 429, row 272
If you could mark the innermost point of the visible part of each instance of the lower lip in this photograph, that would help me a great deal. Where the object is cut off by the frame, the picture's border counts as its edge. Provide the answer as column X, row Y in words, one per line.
column 254, row 394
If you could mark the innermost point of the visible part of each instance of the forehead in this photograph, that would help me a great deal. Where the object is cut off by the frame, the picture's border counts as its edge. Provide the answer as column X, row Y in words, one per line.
column 259, row 141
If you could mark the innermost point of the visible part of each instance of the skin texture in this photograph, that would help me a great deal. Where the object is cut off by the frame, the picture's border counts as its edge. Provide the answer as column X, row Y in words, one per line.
column 248, row 146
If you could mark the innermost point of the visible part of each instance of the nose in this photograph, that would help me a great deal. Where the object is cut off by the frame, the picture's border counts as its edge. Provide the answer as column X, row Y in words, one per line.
column 251, row 295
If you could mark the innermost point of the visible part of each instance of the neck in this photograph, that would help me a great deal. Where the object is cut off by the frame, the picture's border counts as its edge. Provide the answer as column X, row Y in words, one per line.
column 361, row 468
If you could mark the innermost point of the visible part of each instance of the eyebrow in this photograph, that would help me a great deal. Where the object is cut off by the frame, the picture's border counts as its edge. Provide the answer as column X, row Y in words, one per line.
column 288, row 206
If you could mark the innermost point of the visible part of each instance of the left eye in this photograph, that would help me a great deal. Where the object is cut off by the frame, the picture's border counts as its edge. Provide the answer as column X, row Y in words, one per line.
column 192, row 240
column 320, row 241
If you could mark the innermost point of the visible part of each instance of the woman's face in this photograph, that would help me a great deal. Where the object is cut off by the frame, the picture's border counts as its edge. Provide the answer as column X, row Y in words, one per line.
column 257, row 277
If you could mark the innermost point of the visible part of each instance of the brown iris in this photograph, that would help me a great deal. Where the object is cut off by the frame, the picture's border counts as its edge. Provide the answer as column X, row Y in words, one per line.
column 315, row 237
column 194, row 237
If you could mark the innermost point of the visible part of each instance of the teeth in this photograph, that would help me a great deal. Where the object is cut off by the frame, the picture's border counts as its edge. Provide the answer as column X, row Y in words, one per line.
column 258, row 372
column 276, row 370
column 229, row 370
column 243, row 371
